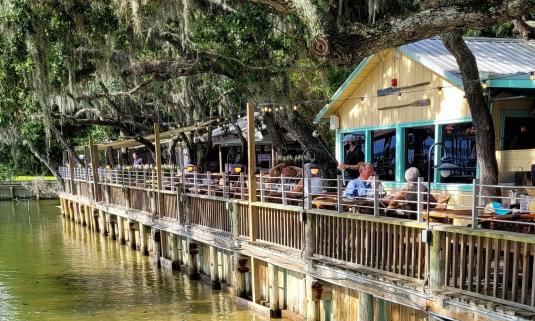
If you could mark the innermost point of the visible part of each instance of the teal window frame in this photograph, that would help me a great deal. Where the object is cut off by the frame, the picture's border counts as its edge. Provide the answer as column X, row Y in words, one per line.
column 400, row 150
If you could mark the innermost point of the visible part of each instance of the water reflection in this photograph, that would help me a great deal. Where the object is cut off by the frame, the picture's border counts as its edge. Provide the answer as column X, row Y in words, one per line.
column 54, row 269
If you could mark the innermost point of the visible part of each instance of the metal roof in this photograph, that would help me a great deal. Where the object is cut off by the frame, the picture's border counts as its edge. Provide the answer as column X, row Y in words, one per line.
column 496, row 57
column 507, row 61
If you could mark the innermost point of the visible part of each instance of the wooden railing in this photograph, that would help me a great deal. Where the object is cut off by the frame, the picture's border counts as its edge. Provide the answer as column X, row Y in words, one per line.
column 383, row 244
column 497, row 266
column 489, row 264
column 280, row 226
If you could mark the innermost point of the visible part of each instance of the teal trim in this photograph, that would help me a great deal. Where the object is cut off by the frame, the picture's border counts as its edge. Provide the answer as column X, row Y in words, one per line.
column 451, row 77
column 368, row 146
column 410, row 124
column 512, row 83
column 342, row 88
column 400, row 154
column 338, row 146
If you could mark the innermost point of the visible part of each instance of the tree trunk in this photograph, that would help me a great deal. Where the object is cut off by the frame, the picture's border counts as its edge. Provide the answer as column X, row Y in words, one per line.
column 66, row 145
column 482, row 119
column 279, row 143
column 302, row 131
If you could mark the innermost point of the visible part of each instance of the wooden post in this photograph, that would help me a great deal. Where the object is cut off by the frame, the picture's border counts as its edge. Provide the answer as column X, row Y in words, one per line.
column 255, row 280
column 310, row 235
column 86, row 171
column 131, row 234
column 251, row 161
column 312, row 301
column 274, row 310
column 93, row 151
column 111, row 227
column 159, row 200
column 120, row 230
column 156, row 246
column 214, row 268
column 366, row 306
column 240, row 270
column 143, row 238
column 127, row 199
column 234, row 218
column 102, row 222
column 436, row 260
column 192, row 268
column 173, row 249
column 12, row 192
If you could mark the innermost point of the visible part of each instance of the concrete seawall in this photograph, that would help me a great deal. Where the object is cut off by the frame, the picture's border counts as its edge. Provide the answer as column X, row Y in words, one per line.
column 28, row 190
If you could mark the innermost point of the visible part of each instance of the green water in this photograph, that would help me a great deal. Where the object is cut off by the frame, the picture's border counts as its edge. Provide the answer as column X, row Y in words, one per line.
column 54, row 269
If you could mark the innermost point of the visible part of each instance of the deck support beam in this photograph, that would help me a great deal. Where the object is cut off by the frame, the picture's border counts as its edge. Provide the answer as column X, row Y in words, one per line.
column 143, row 239
column 102, row 222
column 173, row 238
column 366, row 306
column 214, row 268
column 240, row 264
column 156, row 246
column 312, row 300
column 273, row 279
column 192, row 267
column 131, row 234
column 120, row 230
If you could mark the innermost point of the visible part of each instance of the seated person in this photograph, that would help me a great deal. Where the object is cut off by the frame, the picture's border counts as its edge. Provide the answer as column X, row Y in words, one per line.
column 361, row 186
column 286, row 171
column 409, row 192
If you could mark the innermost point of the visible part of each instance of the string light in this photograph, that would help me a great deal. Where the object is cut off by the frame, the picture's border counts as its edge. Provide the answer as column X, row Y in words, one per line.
column 295, row 107
column 439, row 90
column 362, row 98
column 399, row 95
column 532, row 75
column 484, row 84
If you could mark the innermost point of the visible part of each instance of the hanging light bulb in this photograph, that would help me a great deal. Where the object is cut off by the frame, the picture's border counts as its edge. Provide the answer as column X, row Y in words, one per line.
column 532, row 75
column 439, row 90
column 295, row 107
column 484, row 84
column 399, row 95
column 362, row 98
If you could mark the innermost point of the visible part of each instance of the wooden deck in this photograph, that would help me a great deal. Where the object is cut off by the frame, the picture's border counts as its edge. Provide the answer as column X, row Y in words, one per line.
column 481, row 264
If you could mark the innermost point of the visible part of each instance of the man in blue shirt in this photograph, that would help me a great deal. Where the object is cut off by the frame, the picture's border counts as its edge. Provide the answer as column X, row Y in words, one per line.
column 360, row 187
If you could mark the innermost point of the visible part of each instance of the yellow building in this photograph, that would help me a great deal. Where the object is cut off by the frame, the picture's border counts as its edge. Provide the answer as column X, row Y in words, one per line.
column 402, row 100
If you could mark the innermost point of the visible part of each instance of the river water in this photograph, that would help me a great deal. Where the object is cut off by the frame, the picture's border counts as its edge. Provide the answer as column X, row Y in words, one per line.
column 54, row 269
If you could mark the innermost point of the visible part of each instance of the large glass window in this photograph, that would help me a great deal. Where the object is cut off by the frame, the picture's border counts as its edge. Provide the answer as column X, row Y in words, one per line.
column 384, row 154
column 418, row 140
column 460, row 143
column 518, row 133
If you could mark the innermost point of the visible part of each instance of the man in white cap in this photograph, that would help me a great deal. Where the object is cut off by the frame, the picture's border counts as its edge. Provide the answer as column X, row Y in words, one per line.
column 353, row 155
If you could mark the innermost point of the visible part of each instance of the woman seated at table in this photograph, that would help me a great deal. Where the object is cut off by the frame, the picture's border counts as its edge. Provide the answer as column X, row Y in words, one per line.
column 406, row 199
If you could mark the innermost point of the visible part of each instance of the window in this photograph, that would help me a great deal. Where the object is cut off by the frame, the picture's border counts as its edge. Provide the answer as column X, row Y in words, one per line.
column 384, row 154
column 419, row 140
column 517, row 132
column 460, row 143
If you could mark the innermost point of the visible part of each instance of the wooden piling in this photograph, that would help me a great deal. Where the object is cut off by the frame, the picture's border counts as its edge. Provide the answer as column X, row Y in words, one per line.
column 312, row 301
column 366, row 306
column 156, row 246
column 120, row 230
column 273, row 280
column 239, row 275
column 12, row 192
column 173, row 249
column 192, row 268
column 102, row 222
column 214, row 269
column 143, row 239
column 131, row 234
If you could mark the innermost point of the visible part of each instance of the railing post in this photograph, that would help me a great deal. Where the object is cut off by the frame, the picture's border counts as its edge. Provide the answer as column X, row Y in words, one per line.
column 475, row 203
column 339, row 194
column 306, row 190
column 226, row 186
column 375, row 197
column 436, row 261
column 242, row 186
column 283, row 193
column 419, row 200
column 261, row 187
column 310, row 235
column 234, row 218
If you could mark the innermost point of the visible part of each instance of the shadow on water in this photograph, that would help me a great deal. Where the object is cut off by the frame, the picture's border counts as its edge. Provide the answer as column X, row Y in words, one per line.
column 54, row 269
